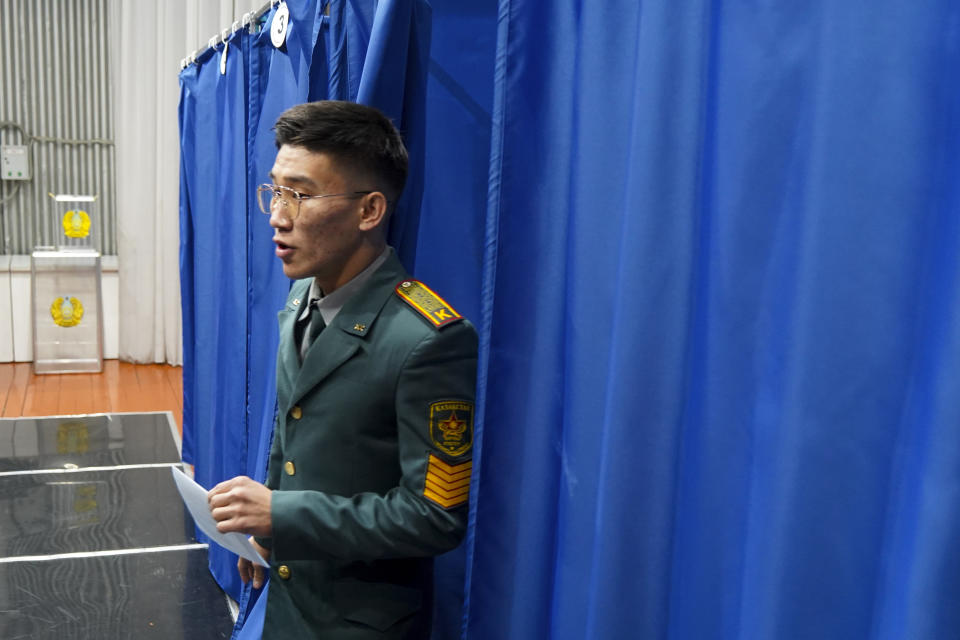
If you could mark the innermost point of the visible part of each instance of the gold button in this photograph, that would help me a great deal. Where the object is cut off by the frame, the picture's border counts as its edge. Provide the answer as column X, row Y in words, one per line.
column 289, row 468
column 283, row 571
column 296, row 412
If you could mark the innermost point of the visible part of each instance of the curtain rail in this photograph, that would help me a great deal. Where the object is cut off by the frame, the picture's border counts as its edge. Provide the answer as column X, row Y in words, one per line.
column 247, row 20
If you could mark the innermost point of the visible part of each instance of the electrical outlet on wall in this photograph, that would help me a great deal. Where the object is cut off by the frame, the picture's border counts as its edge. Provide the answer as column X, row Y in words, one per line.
column 14, row 162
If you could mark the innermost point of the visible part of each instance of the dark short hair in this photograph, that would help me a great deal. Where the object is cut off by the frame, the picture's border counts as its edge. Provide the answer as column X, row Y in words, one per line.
column 359, row 136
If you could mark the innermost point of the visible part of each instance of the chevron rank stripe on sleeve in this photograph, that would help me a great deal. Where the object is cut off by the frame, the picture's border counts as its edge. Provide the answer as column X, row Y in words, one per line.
column 447, row 484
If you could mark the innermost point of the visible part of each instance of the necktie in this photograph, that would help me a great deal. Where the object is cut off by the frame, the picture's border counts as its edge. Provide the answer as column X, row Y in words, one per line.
column 309, row 328
column 316, row 323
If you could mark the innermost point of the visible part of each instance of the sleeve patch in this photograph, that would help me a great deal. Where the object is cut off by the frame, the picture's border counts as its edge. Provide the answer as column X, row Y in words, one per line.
column 451, row 426
column 427, row 303
column 448, row 485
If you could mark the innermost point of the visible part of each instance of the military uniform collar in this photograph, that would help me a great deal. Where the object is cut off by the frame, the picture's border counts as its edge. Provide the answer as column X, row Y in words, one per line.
column 357, row 314
column 330, row 305
column 341, row 339
column 360, row 312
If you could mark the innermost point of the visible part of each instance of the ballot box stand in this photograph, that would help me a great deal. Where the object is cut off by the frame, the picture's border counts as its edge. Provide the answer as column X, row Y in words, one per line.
column 67, row 296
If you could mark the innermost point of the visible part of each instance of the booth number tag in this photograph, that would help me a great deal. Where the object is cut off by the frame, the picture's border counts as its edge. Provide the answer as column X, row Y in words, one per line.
column 279, row 27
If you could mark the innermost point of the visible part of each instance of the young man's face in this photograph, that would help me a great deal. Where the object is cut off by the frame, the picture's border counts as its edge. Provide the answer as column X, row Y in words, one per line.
column 326, row 234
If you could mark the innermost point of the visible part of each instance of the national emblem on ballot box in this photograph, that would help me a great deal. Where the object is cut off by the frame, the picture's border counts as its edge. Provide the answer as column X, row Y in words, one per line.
column 67, row 300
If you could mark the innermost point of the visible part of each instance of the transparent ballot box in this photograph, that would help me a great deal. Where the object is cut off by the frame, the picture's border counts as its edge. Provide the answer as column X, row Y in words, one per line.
column 67, row 311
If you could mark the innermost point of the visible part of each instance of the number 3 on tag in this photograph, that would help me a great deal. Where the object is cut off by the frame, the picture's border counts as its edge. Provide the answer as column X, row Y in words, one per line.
column 280, row 25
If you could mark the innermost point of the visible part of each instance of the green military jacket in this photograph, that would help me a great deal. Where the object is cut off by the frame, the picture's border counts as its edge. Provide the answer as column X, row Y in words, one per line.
column 370, row 463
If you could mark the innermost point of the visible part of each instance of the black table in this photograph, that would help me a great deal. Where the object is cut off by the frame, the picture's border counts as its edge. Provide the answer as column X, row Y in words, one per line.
column 94, row 539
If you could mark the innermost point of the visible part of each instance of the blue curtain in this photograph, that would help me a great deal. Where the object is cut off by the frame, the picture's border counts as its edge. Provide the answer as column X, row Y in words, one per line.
column 459, row 101
column 721, row 324
column 449, row 257
column 213, row 279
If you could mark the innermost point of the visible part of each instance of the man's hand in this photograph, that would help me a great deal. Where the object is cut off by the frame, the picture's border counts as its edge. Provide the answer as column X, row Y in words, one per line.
column 248, row 570
column 243, row 505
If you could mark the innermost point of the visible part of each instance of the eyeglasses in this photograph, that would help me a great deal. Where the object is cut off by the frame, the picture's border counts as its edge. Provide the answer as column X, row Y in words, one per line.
column 288, row 200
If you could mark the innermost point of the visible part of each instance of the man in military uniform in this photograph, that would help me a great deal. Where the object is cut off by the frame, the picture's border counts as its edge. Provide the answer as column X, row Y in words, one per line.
column 371, row 457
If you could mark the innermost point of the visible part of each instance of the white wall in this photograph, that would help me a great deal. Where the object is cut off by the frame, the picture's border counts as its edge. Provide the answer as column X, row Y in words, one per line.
column 6, row 314
column 16, row 323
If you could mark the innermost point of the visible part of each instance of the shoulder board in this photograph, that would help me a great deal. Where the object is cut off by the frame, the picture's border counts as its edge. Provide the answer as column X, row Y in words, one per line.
column 427, row 303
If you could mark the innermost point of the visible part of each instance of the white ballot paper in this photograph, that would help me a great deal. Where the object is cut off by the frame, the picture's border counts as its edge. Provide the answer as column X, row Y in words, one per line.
column 195, row 497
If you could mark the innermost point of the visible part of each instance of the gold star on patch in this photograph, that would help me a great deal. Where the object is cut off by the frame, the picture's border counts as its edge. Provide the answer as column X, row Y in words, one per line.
column 453, row 426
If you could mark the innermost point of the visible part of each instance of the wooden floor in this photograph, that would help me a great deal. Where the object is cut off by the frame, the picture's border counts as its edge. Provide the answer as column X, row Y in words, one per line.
column 120, row 387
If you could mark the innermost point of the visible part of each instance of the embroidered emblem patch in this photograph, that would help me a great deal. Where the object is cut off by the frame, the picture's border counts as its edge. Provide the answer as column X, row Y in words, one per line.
column 427, row 303
column 66, row 312
column 447, row 484
column 451, row 426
